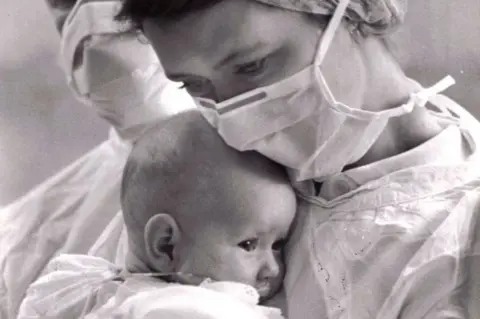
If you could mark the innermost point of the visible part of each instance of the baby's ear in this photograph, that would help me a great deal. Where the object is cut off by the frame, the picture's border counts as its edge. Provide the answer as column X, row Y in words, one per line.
column 161, row 235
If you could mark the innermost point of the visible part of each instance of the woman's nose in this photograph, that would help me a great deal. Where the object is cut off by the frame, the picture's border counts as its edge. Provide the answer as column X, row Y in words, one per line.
column 228, row 88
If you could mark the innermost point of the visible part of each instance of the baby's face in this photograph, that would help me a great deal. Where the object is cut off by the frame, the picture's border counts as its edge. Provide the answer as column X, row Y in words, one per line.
column 244, row 238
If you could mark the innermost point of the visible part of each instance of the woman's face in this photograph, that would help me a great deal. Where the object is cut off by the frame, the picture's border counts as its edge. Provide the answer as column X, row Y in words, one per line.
column 239, row 45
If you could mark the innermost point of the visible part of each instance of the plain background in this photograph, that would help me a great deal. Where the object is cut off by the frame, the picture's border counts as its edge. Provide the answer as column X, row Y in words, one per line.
column 42, row 128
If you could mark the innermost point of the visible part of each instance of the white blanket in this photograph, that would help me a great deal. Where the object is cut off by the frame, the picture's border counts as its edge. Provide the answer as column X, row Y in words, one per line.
column 80, row 286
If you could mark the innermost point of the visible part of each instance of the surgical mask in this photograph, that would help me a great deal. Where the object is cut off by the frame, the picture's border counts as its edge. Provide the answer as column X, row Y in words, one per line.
column 298, row 123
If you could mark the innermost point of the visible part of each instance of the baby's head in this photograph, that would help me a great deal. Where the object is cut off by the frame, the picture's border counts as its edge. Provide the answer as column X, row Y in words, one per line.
column 194, row 205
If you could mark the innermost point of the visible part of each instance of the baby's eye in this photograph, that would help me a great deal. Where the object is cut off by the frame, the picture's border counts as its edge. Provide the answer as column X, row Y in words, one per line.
column 278, row 245
column 253, row 68
column 249, row 244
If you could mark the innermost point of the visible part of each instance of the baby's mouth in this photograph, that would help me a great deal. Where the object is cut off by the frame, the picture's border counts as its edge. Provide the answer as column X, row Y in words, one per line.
column 263, row 289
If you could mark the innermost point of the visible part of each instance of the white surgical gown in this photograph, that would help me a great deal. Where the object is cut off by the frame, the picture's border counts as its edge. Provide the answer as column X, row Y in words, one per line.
column 397, row 239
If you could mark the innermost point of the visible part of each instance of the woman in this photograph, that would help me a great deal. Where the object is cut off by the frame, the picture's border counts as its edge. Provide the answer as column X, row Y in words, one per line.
column 389, row 229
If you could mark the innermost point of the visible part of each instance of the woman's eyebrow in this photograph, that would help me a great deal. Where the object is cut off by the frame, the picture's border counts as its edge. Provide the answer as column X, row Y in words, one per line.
column 237, row 53
column 176, row 77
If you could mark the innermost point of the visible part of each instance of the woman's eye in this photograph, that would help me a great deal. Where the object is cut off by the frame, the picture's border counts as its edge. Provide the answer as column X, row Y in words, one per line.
column 249, row 244
column 252, row 68
column 195, row 88
column 278, row 245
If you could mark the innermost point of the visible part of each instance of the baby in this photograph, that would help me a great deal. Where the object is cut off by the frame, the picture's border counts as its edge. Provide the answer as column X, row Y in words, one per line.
column 193, row 207
column 196, row 206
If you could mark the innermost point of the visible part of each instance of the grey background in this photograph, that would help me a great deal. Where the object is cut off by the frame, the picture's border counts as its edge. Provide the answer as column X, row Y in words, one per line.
column 42, row 128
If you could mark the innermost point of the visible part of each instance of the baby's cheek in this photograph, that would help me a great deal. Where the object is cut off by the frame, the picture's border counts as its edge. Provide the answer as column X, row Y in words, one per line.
column 199, row 262
column 229, row 269
column 232, row 268
column 280, row 259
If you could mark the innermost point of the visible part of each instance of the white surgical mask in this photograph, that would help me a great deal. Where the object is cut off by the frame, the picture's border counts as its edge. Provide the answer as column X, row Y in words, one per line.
column 109, row 69
column 298, row 123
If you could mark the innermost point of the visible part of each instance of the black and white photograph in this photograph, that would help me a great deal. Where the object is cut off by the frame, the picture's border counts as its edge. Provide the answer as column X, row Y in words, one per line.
column 240, row 159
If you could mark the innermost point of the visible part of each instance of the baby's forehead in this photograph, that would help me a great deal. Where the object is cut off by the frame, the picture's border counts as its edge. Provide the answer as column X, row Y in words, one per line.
column 244, row 205
column 240, row 222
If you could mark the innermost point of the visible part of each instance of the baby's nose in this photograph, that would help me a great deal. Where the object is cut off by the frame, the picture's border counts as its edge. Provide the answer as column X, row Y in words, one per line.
column 270, row 269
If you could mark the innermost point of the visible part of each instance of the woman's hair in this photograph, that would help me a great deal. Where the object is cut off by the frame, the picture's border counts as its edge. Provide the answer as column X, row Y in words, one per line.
column 371, row 17
column 61, row 4
column 136, row 11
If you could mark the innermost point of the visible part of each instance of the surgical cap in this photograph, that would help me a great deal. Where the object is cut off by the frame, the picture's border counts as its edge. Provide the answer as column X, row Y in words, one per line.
column 375, row 17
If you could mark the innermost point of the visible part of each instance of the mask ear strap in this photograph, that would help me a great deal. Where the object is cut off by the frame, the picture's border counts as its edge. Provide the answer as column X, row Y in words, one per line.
column 329, row 32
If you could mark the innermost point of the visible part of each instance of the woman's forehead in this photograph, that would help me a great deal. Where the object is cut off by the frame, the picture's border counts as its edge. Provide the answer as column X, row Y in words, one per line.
column 215, row 33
